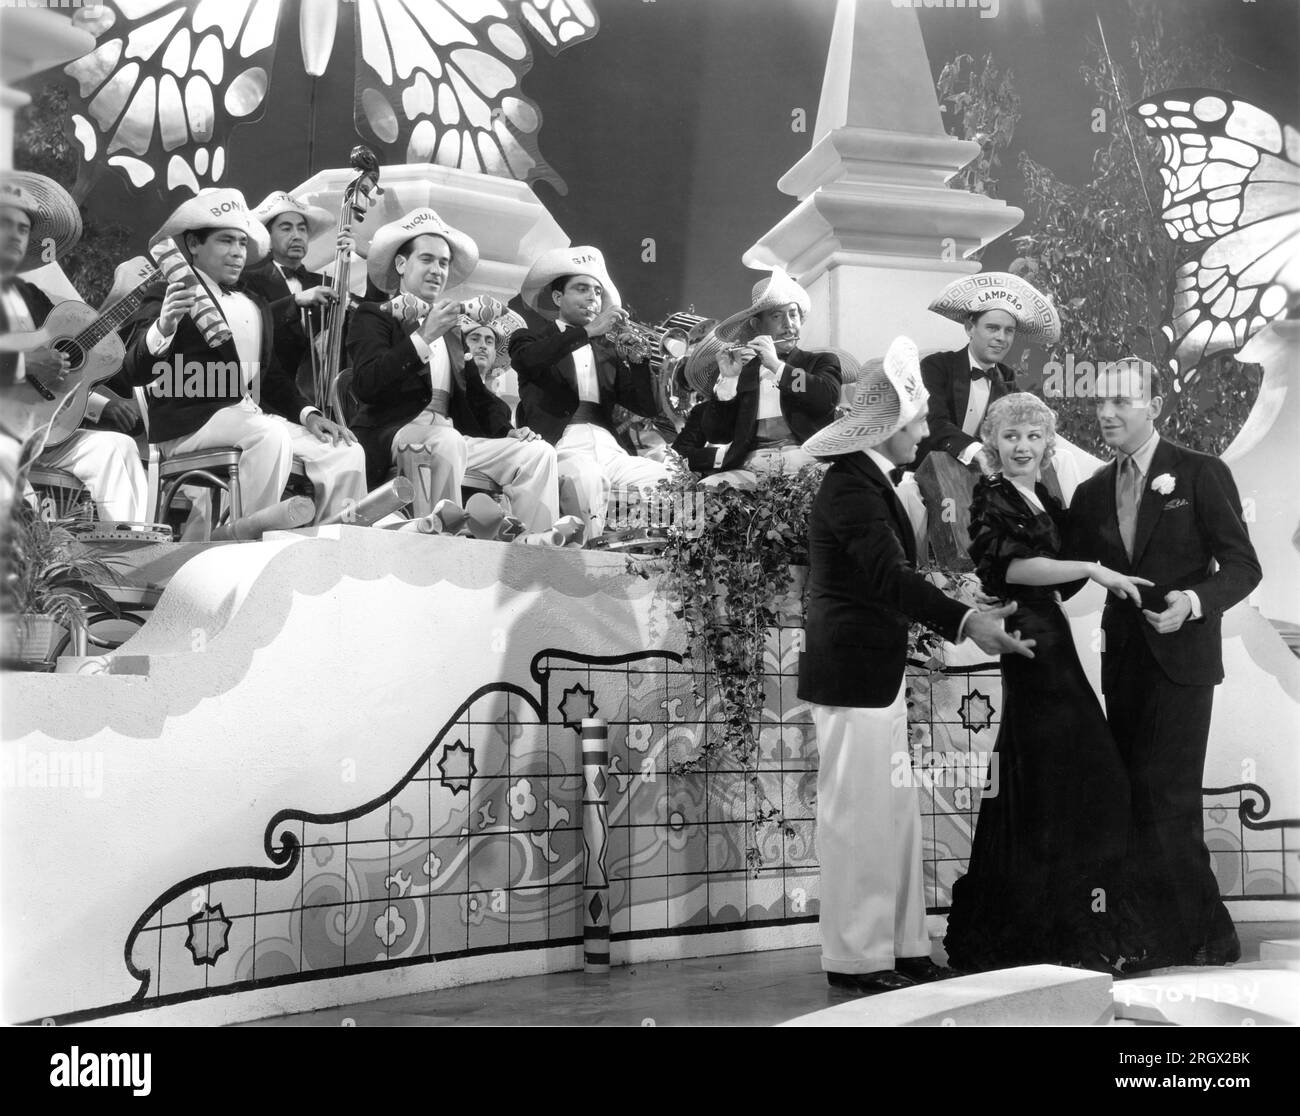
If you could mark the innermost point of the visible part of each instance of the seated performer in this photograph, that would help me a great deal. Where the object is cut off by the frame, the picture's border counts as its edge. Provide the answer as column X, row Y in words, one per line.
column 36, row 211
column 423, row 407
column 995, row 307
column 488, row 347
column 568, row 386
column 763, row 394
column 263, row 414
column 282, row 279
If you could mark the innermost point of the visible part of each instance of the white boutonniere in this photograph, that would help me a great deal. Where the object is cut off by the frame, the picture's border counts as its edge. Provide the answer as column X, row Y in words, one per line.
column 1164, row 484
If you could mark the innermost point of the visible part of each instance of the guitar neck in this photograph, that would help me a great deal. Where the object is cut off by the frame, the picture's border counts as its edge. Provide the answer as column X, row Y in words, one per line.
column 117, row 315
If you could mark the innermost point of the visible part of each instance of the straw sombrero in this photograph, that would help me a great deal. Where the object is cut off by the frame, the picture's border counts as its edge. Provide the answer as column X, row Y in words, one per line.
column 318, row 219
column 888, row 395
column 559, row 262
column 502, row 326
column 778, row 289
column 217, row 208
column 1036, row 317
column 419, row 222
column 54, row 215
column 702, row 371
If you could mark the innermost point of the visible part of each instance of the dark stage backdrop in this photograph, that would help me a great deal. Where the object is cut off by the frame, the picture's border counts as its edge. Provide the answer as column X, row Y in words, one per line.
column 674, row 122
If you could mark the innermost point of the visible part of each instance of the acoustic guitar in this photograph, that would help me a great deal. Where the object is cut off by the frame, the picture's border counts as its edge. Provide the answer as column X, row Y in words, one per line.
column 88, row 338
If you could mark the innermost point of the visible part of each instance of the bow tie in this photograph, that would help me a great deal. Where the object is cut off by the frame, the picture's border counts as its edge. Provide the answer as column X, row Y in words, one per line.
column 896, row 474
column 981, row 374
column 299, row 273
column 230, row 288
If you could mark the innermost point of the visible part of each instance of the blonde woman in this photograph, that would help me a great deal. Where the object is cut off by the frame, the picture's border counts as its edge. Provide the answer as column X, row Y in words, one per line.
column 1045, row 881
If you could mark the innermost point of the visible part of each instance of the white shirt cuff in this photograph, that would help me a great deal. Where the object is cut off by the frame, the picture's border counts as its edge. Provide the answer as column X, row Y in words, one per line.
column 968, row 454
column 961, row 628
column 155, row 342
column 1196, row 603
column 421, row 347
column 302, row 417
column 717, row 457
column 95, row 404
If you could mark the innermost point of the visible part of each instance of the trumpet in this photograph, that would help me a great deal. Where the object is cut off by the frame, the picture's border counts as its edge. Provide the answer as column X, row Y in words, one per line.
column 636, row 343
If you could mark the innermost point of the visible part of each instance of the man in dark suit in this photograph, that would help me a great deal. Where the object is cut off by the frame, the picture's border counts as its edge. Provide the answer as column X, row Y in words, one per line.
column 286, row 284
column 424, row 407
column 863, row 594
column 570, row 379
column 1172, row 516
column 234, row 392
column 763, row 395
column 105, row 460
column 994, row 307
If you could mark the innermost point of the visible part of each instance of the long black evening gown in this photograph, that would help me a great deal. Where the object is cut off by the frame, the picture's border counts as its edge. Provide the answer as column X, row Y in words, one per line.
column 1046, row 882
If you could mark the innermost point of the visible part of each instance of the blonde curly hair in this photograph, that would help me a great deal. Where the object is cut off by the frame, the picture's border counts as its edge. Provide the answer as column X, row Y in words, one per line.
column 1016, row 409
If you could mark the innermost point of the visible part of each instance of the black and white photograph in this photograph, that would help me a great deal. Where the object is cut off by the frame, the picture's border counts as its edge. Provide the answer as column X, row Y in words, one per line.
column 576, row 514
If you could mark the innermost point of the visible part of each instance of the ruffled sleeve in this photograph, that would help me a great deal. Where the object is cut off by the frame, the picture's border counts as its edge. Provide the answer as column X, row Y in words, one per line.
column 1003, row 528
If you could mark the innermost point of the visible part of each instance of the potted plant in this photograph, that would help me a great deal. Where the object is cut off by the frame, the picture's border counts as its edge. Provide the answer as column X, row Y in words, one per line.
column 51, row 583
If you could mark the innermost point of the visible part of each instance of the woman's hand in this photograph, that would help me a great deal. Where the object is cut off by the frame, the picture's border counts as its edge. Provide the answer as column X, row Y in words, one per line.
column 1120, row 584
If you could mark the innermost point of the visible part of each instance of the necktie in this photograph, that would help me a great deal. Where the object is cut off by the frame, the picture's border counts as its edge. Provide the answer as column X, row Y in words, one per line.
column 1126, row 502
column 896, row 475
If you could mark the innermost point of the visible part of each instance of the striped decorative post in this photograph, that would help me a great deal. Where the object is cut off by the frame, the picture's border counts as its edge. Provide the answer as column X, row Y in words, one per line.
column 595, row 842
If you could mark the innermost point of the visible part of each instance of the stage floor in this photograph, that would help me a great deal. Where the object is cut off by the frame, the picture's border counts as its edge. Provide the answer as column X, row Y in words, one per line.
column 745, row 989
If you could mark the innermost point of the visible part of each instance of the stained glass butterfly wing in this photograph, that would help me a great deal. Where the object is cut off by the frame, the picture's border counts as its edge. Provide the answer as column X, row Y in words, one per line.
column 443, row 75
column 166, row 83
column 1231, row 175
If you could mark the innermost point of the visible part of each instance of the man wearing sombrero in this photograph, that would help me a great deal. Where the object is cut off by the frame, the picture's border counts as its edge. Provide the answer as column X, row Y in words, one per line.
column 265, row 415
column 488, row 344
column 36, row 215
column 568, row 386
column 996, row 308
column 424, row 408
column 764, row 395
column 863, row 594
column 282, row 279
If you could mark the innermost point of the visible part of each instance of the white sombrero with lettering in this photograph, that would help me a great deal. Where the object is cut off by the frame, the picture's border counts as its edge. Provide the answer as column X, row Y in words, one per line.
column 388, row 239
column 888, row 395
column 274, row 204
column 216, row 208
column 1036, row 317
column 559, row 262
column 777, row 290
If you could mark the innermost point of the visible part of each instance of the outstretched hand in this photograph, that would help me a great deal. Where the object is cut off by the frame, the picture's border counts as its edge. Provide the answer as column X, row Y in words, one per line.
column 985, row 628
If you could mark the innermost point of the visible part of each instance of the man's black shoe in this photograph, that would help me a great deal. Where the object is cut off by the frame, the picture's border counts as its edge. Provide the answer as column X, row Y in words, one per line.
column 868, row 984
column 1225, row 951
column 922, row 970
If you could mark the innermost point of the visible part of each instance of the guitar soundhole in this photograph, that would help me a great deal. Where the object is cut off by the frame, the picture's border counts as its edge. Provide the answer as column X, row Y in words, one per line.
column 74, row 352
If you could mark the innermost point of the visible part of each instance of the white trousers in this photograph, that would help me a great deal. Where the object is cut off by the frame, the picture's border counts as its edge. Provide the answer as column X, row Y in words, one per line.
column 593, row 462
column 789, row 459
column 268, row 445
column 435, row 458
column 108, row 464
column 868, row 841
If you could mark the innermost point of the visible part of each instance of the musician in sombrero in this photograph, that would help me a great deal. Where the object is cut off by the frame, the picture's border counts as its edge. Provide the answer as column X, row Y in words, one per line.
column 996, row 308
column 264, row 415
column 570, row 379
column 764, row 396
column 293, row 291
column 37, row 214
column 424, row 409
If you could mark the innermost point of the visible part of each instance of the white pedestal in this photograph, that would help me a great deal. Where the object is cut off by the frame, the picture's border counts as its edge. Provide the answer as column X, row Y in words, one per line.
column 1265, row 461
column 877, row 232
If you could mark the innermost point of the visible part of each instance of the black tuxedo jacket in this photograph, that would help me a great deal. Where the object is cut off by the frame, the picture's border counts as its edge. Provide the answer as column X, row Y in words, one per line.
column 548, row 381
column 392, row 384
column 177, row 409
column 1179, row 540
column 863, row 590
column 947, row 379
column 290, row 340
column 810, row 388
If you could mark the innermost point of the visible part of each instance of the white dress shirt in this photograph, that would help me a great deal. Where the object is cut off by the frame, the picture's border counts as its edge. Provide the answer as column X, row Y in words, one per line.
column 584, row 364
column 976, row 405
column 435, row 355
